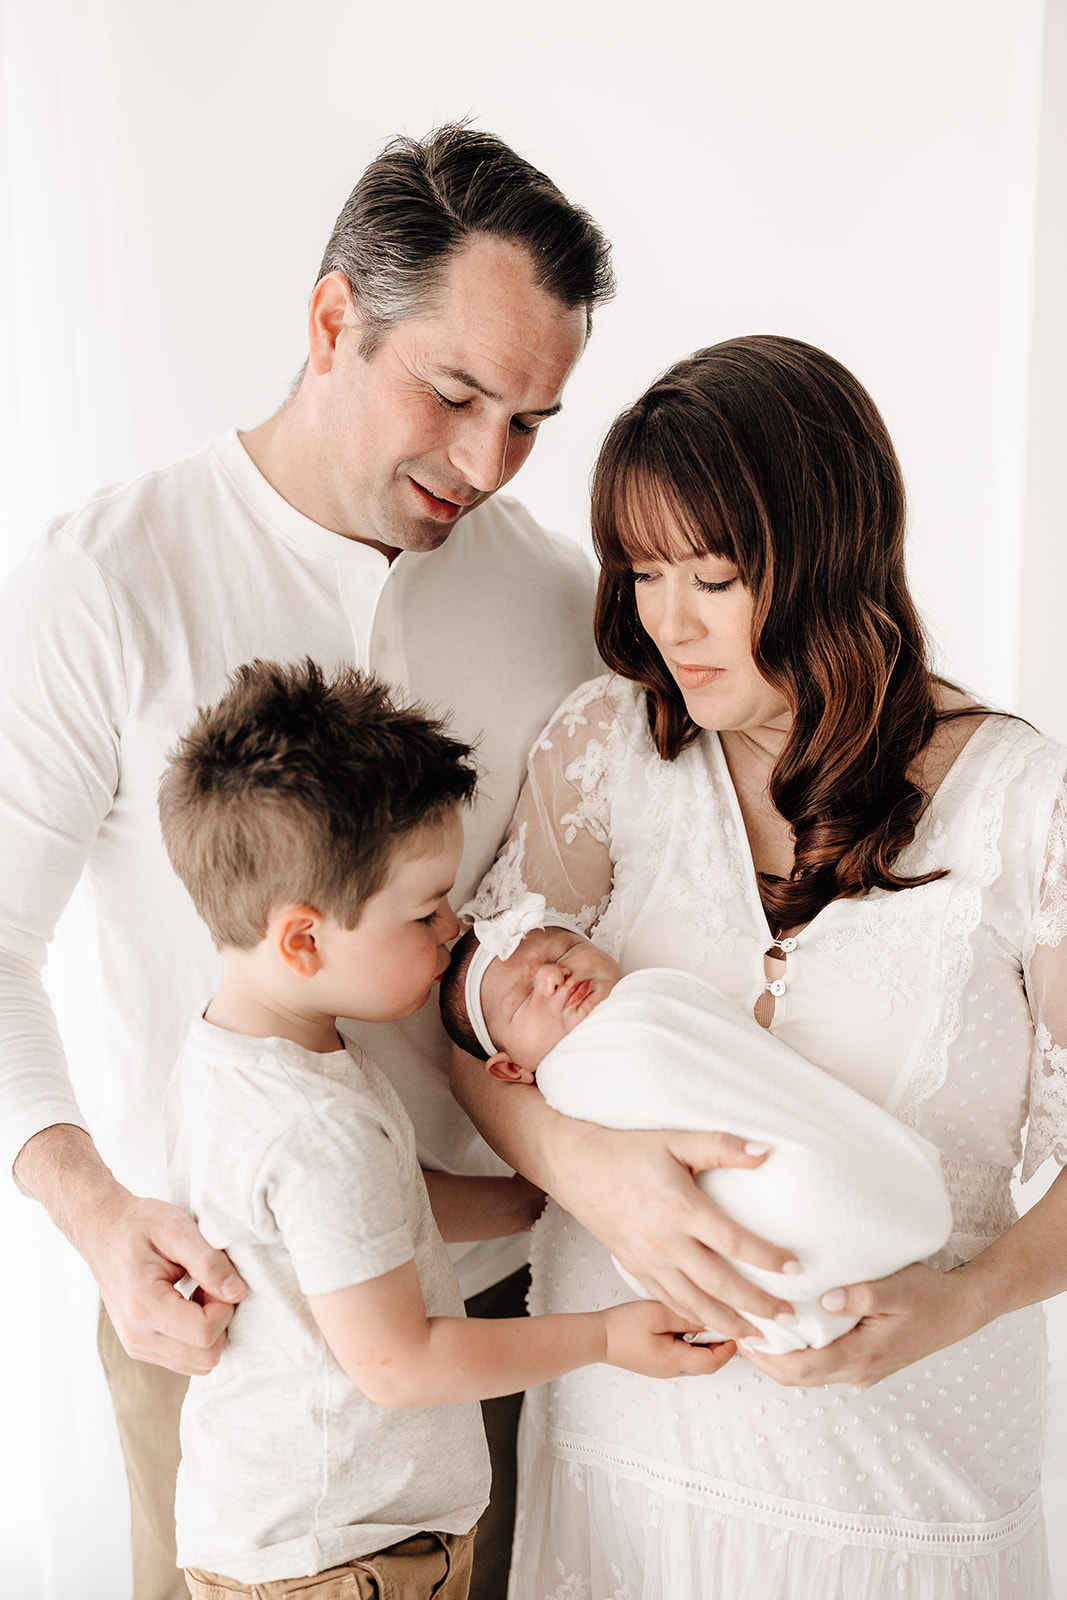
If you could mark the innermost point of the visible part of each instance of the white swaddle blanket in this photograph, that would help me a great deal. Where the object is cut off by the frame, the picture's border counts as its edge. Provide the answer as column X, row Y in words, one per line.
column 852, row 1192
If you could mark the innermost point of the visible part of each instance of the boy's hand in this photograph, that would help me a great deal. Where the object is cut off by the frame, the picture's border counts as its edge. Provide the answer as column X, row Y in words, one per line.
column 643, row 1336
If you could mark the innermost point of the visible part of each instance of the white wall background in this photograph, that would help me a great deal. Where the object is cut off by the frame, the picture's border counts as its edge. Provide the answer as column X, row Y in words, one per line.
column 886, row 181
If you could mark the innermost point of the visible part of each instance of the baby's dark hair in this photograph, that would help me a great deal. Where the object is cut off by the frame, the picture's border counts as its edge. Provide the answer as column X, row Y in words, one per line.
column 297, row 788
column 454, row 999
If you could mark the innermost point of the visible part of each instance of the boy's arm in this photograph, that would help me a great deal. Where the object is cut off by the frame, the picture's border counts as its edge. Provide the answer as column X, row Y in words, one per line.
column 382, row 1339
column 482, row 1208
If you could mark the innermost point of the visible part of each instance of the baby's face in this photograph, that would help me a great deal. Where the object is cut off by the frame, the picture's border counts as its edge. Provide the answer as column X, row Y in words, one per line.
column 533, row 1000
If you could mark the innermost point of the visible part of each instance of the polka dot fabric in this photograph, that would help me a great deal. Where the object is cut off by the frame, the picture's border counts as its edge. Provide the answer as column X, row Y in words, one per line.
column 942, row 1003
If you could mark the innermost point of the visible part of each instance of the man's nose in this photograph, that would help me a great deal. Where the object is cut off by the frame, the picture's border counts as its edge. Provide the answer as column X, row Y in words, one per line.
column 480, row 452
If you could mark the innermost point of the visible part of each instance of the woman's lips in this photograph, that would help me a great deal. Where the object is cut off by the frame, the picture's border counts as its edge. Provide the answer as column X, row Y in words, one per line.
column 696, row 677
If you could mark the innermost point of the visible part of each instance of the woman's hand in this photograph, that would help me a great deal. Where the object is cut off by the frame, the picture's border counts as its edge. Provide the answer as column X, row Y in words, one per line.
column 636, row 1193
column 902, row 1319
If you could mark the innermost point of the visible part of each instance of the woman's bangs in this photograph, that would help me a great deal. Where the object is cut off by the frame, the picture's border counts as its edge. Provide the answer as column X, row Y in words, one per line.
column 657, row 519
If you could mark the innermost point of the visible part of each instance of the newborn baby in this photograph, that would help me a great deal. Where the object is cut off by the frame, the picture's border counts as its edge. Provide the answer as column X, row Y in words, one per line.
column 847, row 1187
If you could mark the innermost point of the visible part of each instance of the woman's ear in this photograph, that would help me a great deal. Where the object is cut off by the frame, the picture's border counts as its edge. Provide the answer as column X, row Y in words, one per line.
column 296, row 936
column 501, row 1066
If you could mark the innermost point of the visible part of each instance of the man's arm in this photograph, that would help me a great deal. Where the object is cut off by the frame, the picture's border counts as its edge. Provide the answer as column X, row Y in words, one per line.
column 61, row 667
column 383, row 1340
column 482, row 1208
column 137, row 1250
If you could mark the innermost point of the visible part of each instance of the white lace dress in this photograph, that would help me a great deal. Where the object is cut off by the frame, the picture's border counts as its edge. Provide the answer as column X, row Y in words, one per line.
column 945, row 1003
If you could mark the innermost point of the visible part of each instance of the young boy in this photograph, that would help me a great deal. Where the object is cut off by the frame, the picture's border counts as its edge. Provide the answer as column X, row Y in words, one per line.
column 317, row 828
column 847, row 1187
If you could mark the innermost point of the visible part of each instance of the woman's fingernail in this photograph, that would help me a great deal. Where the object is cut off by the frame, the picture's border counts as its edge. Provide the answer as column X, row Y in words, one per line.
column 792, row 1268
column 787, row 1319
column 755, row 1147
column 834, row 1300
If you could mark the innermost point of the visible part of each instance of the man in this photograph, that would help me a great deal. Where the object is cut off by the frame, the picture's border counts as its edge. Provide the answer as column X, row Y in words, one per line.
column 452, row 304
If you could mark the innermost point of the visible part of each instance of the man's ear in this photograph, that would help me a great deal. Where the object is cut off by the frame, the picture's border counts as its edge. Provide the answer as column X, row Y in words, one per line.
column 332, row 308
column 296, row 935
column 501, row 1066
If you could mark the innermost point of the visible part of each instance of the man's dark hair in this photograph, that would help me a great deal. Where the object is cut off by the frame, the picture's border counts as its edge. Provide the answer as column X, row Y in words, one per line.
column 422, row 200
column 297, row 788
column 454, row 999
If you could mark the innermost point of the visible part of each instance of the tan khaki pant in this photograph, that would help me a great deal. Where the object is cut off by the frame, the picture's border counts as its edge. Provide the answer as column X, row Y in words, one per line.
column 147, row 1402
column 431, row 1566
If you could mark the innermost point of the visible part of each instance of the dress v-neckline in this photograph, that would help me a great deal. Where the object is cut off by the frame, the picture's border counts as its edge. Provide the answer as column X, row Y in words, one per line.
column 946, row 782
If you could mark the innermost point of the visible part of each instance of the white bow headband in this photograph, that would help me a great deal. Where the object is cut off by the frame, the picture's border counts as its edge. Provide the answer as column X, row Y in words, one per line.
column 498, row 938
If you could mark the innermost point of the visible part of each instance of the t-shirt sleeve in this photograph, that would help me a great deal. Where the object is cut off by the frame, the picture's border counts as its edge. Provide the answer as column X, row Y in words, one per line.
column 333, row 1188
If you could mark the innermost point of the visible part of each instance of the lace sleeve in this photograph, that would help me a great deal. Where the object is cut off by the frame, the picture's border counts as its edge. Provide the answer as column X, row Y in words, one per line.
column 1046, row 981
column 558, row 842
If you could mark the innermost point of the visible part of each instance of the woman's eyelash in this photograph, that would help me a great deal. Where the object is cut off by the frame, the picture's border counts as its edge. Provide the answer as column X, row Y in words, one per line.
column 702, row 584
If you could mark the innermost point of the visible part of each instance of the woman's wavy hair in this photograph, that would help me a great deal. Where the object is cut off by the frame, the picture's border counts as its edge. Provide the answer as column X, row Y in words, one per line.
column 768, row 453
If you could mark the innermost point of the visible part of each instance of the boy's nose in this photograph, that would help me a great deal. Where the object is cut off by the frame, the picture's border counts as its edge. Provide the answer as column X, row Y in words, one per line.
column 449, row 924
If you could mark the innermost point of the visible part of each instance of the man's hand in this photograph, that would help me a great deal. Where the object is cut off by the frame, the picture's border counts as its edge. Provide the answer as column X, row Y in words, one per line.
column 137, row 1250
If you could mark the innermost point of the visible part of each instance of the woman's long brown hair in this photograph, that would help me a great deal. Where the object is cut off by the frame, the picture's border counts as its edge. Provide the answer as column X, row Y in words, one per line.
column 767, row 452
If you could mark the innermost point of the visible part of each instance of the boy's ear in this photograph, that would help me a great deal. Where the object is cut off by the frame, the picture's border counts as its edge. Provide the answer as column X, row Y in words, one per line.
column 296, row 934
column 501, row 1066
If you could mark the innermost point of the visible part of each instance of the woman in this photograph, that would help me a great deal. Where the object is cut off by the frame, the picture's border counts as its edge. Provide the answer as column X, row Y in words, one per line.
column 774, row 791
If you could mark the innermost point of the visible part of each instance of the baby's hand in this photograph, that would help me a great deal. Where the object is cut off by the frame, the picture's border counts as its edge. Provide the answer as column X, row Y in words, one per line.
column 645, row 1337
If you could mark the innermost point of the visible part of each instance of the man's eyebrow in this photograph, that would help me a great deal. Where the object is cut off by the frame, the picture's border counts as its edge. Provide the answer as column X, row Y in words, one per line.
column 467, row 379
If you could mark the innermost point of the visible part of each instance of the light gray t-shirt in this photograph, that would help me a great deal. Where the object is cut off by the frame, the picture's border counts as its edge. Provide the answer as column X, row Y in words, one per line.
column 302, row 1167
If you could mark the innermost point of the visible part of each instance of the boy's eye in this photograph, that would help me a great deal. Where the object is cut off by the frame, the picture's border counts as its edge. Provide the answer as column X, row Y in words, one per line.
column 432, row 918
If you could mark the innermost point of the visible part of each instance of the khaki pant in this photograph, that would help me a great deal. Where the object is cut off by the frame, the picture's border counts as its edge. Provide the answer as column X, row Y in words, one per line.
column 431, row 1566
column 147, row 1401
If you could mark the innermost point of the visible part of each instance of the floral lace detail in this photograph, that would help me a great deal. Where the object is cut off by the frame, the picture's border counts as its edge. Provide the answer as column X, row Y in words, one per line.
column 961, row 919
column 502, row 884
column 1051, row 923
column 1047, row 1134
column 571, row 1585
column 589, row 774
column 571, row 714
column 702, row 833
column 505, row 882
column 889, row 929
